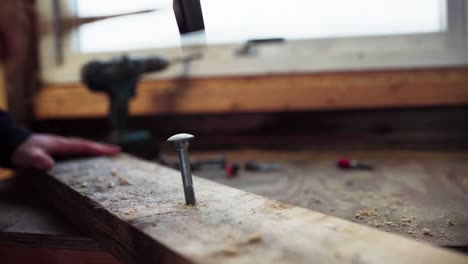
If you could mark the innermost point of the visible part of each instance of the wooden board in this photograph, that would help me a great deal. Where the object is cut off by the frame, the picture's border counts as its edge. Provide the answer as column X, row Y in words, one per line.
column 32, row 233
column 407, row 192
column 3, row 89
column 22, row 255
column 26, row 222
column 295, row 92
column 147, row 221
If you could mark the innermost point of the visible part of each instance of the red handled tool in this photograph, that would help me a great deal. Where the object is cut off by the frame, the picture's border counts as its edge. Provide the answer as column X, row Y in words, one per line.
column 345, row 163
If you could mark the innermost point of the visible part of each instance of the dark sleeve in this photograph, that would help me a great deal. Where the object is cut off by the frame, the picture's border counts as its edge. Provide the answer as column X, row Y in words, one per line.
column 11, row 136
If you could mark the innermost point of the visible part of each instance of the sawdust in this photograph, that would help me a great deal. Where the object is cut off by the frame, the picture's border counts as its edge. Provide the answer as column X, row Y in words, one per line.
column 183, row 206
column 362, row 214
column 84, row 184
column 124, row 182
column 234, row 248
column 427, row 232
column 450, row 222
column 114, row 172
column 405, row 221
column 384, row 218
column 230, row 251
column 277, row 205
column 110, row 185
column 254, row 238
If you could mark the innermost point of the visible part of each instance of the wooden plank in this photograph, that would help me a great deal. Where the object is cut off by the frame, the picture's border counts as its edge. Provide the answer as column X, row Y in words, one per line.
column 26, row 223
column 345, row 90
column 147, row 221
column 3, row 89
column 17, row 24
column 4, row 173
column 32, row 233
column 22, row 255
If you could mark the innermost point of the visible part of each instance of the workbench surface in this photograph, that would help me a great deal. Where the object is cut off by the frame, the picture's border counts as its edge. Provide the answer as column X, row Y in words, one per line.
column 408, row 192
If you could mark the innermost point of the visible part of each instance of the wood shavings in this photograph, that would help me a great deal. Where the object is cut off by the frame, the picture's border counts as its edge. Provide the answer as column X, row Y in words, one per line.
column 185, row 206
column 450, row 222
column 84, row 184
column 110, row 185
column 427, row 232
column 405, row 221
column 361, row 214
column 124, row 182
column 230, row 251
column 254, row 238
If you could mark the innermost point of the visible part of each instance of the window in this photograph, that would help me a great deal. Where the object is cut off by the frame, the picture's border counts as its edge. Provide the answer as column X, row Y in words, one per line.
column 232, row 21
column 319, row 35
column 150, row 30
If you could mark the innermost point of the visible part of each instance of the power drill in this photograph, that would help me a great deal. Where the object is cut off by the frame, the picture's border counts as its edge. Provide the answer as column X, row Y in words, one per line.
column 118, row 78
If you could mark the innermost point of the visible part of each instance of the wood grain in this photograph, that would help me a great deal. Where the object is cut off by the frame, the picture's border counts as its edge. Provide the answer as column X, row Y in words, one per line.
column 3, row 89
column 148, row 222
column 407, row 192
column 22, row 255
column 32, row 233
column 295, row 92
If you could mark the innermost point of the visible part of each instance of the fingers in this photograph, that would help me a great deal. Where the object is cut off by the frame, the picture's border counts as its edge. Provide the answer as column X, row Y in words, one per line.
column 60, row 145
column 37, row 150
column 33, row 158
column 40, row 160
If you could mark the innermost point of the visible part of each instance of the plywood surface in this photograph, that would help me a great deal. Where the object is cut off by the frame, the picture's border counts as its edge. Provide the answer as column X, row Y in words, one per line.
column 146, row 220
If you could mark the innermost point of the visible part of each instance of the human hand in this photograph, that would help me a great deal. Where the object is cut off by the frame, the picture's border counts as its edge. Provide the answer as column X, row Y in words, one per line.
column 37, row 151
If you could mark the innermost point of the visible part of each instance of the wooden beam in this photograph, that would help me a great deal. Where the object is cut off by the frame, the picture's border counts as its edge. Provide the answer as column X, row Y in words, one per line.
column 3, row 89
column 351, row 90
column 4, row 173
column 136, row 210
column 17, row 25
column 26, row 255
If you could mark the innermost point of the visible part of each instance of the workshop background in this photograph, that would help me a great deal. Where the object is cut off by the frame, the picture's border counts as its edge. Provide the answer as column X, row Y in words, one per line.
column 357, row 109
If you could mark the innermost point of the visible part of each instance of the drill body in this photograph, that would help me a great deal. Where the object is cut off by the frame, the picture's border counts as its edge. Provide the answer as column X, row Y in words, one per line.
column 118, row 78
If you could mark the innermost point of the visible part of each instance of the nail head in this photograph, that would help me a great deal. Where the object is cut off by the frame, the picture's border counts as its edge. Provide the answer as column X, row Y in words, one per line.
column 180, row 137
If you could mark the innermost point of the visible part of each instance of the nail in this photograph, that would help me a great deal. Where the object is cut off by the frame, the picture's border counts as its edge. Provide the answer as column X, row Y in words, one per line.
column 181, row 142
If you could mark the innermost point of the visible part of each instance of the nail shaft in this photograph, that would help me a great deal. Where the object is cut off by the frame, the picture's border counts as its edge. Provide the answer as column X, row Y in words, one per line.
column 181, row 143
column 184, row 164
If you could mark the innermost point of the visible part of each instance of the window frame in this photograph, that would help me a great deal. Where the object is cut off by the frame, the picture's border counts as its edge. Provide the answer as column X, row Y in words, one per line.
column 446, row 49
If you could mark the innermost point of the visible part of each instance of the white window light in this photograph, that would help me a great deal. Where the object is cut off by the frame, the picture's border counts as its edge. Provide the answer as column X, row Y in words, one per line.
column 320, row 35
